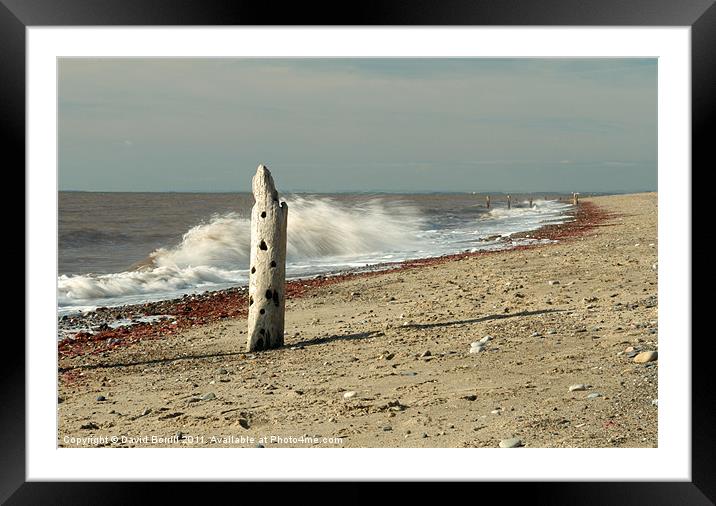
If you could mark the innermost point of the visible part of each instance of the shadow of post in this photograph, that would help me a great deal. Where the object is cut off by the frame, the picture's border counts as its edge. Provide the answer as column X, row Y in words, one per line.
column 150, row 362
column 346, row 337
column 312, row 342
column 482, row 319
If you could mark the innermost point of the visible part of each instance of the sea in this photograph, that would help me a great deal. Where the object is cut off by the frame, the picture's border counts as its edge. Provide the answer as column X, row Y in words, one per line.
column 129, row 248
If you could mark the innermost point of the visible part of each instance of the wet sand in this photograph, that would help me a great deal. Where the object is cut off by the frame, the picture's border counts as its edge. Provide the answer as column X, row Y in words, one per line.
column 383, row 359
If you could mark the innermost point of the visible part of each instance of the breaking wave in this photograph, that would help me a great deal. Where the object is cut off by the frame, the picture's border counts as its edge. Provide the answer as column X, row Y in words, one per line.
column 217, row 252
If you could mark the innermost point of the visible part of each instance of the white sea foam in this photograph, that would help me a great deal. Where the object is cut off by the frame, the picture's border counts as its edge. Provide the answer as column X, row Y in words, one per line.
column 316, row 229
column 323, row 235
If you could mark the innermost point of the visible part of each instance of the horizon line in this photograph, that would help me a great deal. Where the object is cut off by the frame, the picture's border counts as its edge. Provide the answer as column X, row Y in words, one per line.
column 482, row 192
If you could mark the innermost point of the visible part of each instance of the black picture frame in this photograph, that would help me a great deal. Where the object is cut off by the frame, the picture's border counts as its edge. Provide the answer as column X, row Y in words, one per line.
column 16, row 15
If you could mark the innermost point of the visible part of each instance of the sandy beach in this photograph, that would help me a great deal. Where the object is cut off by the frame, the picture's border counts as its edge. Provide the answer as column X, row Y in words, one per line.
column 387, row 359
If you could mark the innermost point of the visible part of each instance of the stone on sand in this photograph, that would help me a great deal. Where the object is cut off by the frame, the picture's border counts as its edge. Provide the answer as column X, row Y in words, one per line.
column 476, row 347
column 646, row 356
column 511, row 443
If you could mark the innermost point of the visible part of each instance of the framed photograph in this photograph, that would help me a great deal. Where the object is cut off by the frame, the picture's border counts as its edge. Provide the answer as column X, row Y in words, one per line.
column 418, row 236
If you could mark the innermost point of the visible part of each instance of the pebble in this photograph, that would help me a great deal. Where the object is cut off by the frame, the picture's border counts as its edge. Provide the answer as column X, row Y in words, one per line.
column 594, row 395
column 208, row 397
column 577, row 387
column 485, row 340
column 655, row 402
column 553, row 282
column 646, row 356
column 426, row 353
column 511, row 443
column 535, row 334
column 146, row 411
column 222, row 371
column 101, row 398
column 476, row 347
column 387, row 428
column 349, row 395
column 471, row 397
column 260, row 446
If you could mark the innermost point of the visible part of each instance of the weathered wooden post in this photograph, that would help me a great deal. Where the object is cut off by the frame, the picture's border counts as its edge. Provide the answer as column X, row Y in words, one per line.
column 530, row 203
column 267, row 278
column 487, row 202
column 575, row 198
column 509, row 202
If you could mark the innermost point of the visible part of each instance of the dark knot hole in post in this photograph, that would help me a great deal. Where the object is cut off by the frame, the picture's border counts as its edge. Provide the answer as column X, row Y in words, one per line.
column 263, row 214
column 263, row 246
column 273, row 263
column 253, row 270
column 269, row 294
column 262, row 311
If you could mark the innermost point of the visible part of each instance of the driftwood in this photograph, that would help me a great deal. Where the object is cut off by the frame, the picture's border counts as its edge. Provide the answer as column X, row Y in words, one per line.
column 267, row 278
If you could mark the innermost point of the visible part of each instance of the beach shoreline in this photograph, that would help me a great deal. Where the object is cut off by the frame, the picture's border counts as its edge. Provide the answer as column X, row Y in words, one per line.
column 382, row 358
column 171, row 315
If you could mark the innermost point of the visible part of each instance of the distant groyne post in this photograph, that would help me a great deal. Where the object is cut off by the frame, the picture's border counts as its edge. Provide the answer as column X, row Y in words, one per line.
column 487, row 202
column 530, row 203
column 509, row 202
column 267, row 277
column 575, row 198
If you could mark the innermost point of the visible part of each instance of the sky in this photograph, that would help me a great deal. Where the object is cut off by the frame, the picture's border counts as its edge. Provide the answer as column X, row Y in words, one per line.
column 335, row 125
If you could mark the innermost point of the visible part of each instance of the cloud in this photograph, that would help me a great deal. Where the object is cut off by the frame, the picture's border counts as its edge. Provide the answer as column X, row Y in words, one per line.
column 199, row 120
